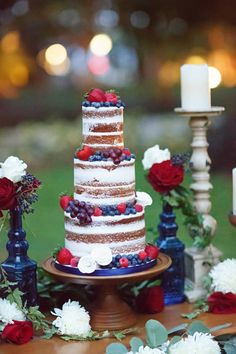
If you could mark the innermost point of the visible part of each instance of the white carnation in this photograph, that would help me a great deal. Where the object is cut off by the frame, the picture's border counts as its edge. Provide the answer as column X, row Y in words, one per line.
column 224, row 276
column 154, row 155
column 13, row 168
column 198, row 343
column 72, row 319
column 10, row 312
column 148, row 350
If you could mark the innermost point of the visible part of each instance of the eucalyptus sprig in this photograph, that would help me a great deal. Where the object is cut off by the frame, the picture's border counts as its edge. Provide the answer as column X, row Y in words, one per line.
column 182, row 198
column 157, row 337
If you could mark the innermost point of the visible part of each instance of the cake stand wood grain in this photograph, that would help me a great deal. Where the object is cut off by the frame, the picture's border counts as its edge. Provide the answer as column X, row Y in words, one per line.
column 109, row 311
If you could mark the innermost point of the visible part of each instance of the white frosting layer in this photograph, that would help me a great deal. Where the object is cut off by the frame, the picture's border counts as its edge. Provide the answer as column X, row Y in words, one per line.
column 100, row 109
column 103, row 133
column 123, row 173
column 80, row 249
column 89, row 123
column 105, row 228
column 88, row 198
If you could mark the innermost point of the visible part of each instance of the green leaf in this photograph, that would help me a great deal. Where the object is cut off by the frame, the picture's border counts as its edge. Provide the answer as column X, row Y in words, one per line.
column 135, row 344
column 174, row 340
column 156, row 333
column 118, row 335
column 217, row 328
column 230, row 348
column 116, row 348
column 49, row 333
column 15, row 296
column 197, row 326
column 179, row 328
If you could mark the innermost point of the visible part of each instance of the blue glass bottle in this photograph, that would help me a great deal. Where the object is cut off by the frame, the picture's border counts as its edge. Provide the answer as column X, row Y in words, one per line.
column 168, row 243
column 18, row 266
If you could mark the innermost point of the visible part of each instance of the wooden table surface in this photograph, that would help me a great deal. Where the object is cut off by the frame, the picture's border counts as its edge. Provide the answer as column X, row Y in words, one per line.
column 169, row 317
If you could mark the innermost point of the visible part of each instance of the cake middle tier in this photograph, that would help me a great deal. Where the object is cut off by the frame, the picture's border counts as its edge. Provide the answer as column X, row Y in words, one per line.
column 102, row 182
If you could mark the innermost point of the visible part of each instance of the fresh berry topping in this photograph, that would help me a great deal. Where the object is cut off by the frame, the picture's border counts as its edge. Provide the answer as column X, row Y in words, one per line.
column 64, row 256
column 74, row 261
column 126, row 152
column 97, row 212
column 111, row 97
column 152, row 251
column 64, row 201
column 121, row 208
column 142, row 255
column 138, row 208
column 124, row 262
column 96, row 95
column 85, row 153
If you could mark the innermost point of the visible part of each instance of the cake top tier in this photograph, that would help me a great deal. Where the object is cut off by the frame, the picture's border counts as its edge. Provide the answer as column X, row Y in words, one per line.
column 102, row 120
column 97, row 98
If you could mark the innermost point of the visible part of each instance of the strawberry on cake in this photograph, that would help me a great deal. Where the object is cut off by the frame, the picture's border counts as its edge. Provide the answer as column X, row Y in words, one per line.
column 104, row 220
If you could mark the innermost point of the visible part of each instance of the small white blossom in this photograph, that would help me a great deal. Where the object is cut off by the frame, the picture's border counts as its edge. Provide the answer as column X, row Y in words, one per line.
column 198, row 343
column 224, row 276
column 143, row 198
column 13, row 168
column 148, row 350
column 155, row 155
column 10, row 312
column 102, row 255
column 72, row 319
column 87, row 264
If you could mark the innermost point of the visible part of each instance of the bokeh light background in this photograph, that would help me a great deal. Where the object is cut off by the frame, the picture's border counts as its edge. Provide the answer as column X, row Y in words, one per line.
column 51, row 52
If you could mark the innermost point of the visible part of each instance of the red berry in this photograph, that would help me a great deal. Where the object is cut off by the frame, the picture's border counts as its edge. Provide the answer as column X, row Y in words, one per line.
column 152, row 251
column 97, row 212
column 126, row 152
column 111, row 97
column 142, row 255
column 121, row 207
column 138, row 208
column 64, row 256
column 85, row 153
column 74, row 261
column 124, row 262
column 96, row 95
column 64, row 201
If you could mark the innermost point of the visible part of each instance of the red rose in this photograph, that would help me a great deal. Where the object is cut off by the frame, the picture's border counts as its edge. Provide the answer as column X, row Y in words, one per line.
column 7, row 194
column 222, row 303
column 150, row 300
column 96, row 95
column 111, row 97
column 19, row 332
column 164, row 176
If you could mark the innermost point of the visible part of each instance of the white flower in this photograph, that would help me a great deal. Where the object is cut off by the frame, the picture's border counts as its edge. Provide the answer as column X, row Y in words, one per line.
column 72, row 319
column 198, row 343
column 102, row 255
column 13, row 169
column 87, row 264
column 10, row 312
column 224, row 276
column 148, row 350
column 143, row 198
column 154, row 155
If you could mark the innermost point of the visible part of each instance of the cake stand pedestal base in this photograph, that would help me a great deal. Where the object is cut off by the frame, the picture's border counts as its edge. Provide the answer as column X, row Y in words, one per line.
column 109, row 311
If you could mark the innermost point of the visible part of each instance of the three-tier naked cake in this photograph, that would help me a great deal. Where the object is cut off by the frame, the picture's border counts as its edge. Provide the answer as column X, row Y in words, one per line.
column 104, row 221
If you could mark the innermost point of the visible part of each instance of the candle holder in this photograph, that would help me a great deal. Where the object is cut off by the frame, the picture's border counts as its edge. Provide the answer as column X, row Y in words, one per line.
column 197, row 261
column 232, row 219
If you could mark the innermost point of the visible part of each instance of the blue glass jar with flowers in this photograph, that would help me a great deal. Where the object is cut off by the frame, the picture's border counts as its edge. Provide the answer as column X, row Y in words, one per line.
column 17, row 194
column 165, row 174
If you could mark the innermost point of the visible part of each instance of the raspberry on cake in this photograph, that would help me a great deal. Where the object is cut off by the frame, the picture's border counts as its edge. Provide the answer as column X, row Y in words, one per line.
column 104, row 223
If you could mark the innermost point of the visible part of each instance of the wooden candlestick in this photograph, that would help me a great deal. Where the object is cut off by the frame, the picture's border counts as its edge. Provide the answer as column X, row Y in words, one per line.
column 232, row 219
column 197, row 260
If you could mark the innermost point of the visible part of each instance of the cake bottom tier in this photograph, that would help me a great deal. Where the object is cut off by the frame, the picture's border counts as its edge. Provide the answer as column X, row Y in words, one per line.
column 123, row 234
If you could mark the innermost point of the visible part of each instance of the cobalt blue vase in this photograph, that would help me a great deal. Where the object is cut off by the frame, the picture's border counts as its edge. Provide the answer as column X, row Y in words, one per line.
column 18, row 266
column 168, row 243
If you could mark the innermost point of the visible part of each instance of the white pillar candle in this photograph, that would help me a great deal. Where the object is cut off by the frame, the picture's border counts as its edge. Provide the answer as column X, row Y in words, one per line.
column 234, row 191
column 195, row 88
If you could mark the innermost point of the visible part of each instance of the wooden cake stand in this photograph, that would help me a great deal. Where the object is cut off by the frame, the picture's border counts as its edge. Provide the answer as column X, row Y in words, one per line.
column 109, row 311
